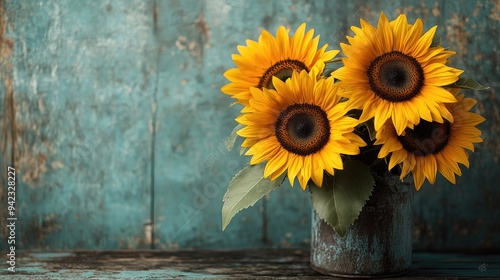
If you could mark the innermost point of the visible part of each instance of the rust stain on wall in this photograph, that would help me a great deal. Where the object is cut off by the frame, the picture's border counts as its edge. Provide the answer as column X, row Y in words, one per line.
column 457, row 34
column 23, row 143
column 33, row 166
column 423, row 11
column 35, row 150
column 435, row 10
column 195, row 46
column 203, row 29
column 8, row 116
column 8, row 120
column 495, row 12
column 39, row 230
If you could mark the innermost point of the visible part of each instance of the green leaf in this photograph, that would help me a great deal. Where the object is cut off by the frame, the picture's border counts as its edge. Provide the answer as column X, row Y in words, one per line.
column 436, row 41
column 341, row 198
column 231, row 139
column 467, row 83
column 245, row 189
column 323, row 201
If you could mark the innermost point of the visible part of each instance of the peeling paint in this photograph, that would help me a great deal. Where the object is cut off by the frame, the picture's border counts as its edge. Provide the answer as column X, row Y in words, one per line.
column 8, row 116
column 33, row 167
column 35, row 152
column 38, row 229
column 203, row 29
column 495, row 11
column 8, row 123
column 181, row 42
column 435, row 10
column 148, row 234
column 192, row 47
column 457, row 34
column 56, row 164
column 195, row 46
column 54, row 31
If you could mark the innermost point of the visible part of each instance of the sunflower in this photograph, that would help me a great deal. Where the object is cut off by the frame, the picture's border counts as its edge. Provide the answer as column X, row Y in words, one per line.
column 299, row 126
column 432, row 146
column 392, row 72
column 279, row 56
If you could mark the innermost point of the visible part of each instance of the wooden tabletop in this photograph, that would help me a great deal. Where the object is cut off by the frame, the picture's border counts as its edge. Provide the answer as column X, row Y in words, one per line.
column 217, row 264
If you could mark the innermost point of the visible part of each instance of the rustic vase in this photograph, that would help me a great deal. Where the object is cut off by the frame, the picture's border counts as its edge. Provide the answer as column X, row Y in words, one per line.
column 378, row 244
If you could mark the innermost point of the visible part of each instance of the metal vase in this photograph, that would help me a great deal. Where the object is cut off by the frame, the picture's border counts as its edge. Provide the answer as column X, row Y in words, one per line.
column 378, row 244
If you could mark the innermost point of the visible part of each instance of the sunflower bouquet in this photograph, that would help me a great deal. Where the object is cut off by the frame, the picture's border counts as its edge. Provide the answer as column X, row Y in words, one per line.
column 391, row 105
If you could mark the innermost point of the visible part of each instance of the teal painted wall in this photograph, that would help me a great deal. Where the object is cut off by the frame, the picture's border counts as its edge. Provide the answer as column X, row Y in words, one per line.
column 111, row 113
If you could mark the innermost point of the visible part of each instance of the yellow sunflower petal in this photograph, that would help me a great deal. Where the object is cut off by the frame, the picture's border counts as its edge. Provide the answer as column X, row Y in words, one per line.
column 418, row 176
column 317, row 174
column 276, row 163
column 374, row 52
column 273, row 111
column 270, row 56
column 425, row 154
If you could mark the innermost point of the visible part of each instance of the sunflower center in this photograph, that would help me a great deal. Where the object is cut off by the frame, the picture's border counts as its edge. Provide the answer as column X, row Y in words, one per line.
column 303, row 129
column 282, row 70
column 395, row 76
column 426, row 138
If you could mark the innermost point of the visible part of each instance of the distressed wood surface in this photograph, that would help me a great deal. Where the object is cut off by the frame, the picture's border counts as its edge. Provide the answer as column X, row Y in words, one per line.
column 82, row 101
column 112, row 114
column 239, row 264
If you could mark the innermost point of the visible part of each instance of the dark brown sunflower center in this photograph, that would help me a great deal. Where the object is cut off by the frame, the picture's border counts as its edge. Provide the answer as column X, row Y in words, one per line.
column 395, row 76
column 282, row 70
column 303, row 129
column 426, row 138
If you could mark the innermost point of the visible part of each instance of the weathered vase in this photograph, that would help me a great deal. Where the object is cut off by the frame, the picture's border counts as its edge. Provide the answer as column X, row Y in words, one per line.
column 378, row 244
